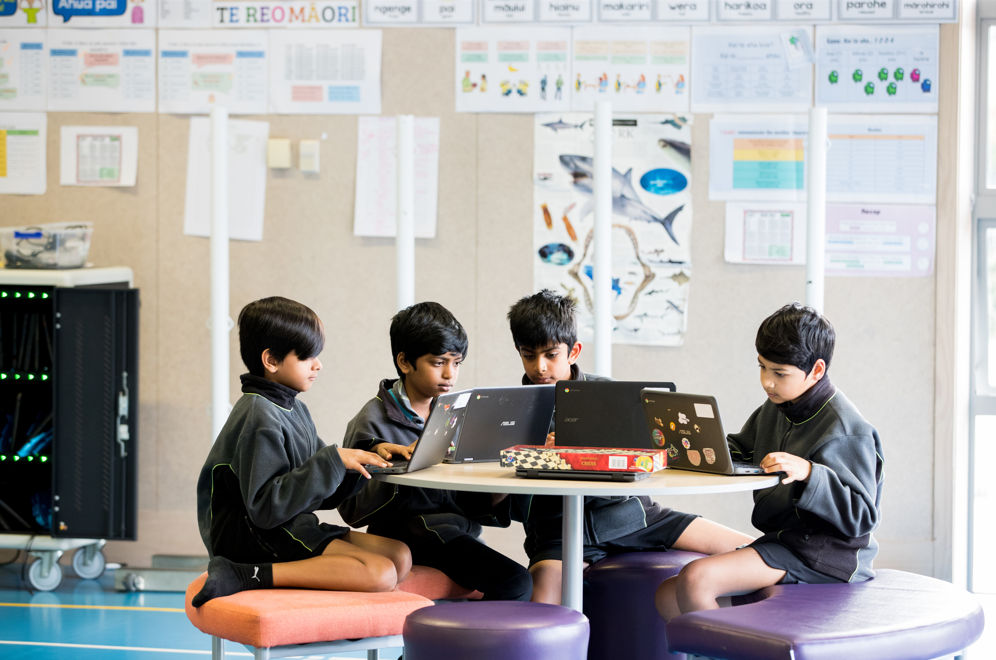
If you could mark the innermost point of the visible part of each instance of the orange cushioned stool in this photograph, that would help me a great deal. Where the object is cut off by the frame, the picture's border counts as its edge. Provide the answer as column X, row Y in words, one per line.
column 277, row 623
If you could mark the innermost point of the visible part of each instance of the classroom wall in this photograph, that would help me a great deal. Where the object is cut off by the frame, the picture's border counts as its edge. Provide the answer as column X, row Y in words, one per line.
column 479, row 264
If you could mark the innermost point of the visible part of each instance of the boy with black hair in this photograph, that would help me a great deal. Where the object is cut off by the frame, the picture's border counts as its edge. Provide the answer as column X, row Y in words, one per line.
column 544, row 330
column 441, row 527
column 268, row 471
column 818, row 521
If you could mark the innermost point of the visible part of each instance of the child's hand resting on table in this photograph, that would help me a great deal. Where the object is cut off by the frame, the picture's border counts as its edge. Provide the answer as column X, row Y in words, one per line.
column 550, row 440
column 355, row 459
column 794, row 467
column 387, row 450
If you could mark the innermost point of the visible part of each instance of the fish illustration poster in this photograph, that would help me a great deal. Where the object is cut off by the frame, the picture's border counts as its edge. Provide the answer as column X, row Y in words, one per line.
column 520, row 70
column 651, row 221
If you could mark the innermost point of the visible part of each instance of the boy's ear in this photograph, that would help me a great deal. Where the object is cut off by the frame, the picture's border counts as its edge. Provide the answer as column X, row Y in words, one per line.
column 819, row 370
column 572, row 357
column 403, row 364
column 270, row 363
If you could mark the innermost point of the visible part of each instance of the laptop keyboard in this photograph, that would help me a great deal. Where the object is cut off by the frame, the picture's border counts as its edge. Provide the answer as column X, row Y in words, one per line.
column 395, row 465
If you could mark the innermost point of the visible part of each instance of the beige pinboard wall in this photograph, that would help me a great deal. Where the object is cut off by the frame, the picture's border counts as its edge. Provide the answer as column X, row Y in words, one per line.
column 478, row 265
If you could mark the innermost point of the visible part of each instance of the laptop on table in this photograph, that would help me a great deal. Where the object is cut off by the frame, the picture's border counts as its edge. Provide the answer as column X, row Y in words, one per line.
column 605, row 414
column 442, row 427
column 500, row 417
column 688, row 428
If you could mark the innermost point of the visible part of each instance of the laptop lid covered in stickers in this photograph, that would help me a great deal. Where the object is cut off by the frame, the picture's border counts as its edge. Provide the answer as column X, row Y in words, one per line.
column 502, row 417
column 603, row 414
column 441, row 430
column 688, row 427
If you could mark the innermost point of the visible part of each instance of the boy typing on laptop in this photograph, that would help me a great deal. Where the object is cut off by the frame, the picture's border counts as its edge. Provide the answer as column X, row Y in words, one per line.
column 544, row 330
column 818, row 521
column 441, row 527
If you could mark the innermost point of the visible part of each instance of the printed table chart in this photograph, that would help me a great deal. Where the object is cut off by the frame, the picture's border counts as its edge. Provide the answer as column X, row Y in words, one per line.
column 492, row 478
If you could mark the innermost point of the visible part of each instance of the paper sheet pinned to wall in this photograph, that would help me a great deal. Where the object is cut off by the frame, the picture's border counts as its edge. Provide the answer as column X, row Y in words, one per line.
column 101, row 70
column 375, row 211
column 98, row 156
column 246, row 178
column 875, row 240
column 765, row 233
column 22, row 153
column 23, row 70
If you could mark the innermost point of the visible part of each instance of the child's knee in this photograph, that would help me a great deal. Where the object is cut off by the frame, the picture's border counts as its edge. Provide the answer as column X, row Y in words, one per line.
column 401, row 555
column 382, row 574
column 693, row 577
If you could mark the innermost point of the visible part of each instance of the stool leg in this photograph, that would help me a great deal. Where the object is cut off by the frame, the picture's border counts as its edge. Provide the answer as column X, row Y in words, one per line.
column 261, row 654
column 373, row 654
column 217, row 648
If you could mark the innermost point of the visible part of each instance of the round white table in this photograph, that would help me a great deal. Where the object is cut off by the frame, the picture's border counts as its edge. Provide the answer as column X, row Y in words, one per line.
column 492, row 478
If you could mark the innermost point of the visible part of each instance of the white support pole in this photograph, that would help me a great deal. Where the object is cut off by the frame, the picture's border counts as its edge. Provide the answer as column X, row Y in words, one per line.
column 220, row 320
column 602, row 181
column 816, row 208
column 405, row 241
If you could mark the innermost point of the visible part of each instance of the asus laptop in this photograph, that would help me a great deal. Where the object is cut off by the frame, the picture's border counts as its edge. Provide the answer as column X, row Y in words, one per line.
column 604, row 414
column 442, row 427
column 500, row 417
column 688, row 427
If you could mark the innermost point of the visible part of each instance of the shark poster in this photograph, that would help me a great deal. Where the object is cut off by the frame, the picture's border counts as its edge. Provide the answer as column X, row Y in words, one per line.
column 651, row 221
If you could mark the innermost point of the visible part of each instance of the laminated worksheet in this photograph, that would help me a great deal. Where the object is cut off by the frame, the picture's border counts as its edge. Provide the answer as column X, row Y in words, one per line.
column 201, row 69
column 376, row 208
column 888, row 68
column 768, row 233
column 757, row 157
column 22, row 153
column 638, row 69
column 746, row 69
column 498, row 12
column 185, row 14
column 419, row 13
column 520, row 70
column 23, row 70
column 98, row 156
column 101, row 71
column 325, row 72
column 246, row 178
column 23, row 13
column 870, row 240
column 102, row 13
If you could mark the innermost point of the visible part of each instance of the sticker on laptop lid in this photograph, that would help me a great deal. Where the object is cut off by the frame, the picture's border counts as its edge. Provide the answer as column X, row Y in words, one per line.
column 704, row 410
column 710, row 455
column 462, row 400
column 694, row 457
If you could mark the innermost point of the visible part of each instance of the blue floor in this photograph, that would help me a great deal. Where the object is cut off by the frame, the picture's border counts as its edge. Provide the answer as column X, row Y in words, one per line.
column 89, row 620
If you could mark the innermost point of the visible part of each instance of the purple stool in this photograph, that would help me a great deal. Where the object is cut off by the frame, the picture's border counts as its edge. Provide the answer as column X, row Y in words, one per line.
column 619, row 603
column 496, row 630
column 895, row 616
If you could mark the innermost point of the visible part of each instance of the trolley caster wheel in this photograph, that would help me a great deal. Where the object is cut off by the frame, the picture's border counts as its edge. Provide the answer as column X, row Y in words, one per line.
column 92, row 571
column 48, row 583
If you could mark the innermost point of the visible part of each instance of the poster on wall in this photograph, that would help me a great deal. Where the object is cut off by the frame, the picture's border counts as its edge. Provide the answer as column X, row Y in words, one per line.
column 888, row 68
column 23, row 13
column 23, row 68
column 651, row 221
column 98, row 156
column 521, row 70
column 102, row 13
column 101, row 71
column 637, row 69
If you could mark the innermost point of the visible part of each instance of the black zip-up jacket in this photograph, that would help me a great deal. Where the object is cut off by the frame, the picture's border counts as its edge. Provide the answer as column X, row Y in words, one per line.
column 827, row 521
column 386, row 507
column 268, row 464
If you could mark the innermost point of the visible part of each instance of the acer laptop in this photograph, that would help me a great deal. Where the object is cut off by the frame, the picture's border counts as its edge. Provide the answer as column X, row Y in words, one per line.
column 442, row 427
column 688, row 427
column 500, row 417
column 579, row 475
column 603, row 414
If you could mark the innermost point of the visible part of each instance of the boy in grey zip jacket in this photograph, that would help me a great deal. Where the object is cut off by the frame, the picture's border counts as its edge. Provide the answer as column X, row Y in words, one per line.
column 268, row 471
column 817, row 523
column 441, row 527
column 544, row 330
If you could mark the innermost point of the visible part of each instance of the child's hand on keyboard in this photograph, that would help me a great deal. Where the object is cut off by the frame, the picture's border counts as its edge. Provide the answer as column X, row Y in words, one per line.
column 387, row 451
column 355, row 459
column 794, row 467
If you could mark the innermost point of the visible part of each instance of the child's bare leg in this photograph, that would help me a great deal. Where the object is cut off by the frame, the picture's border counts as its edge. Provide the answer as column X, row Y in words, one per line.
column 396, row 551
column 548, row 576
column 710, row 538
column 342, row 567
column 703, row 581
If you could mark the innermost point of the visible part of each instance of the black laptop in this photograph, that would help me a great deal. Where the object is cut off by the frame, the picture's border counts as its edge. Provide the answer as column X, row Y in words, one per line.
column 607, row 414
column 442, row 427
column 500, row 417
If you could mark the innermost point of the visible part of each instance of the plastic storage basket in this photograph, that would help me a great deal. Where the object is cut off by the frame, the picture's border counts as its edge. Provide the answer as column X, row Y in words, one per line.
column 52, row 246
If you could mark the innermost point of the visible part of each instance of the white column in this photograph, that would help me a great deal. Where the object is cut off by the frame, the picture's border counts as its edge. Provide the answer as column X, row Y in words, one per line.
column 602, row 181
column 220, row 328
column 572, row 535
column 816, row 208
column 405, row 242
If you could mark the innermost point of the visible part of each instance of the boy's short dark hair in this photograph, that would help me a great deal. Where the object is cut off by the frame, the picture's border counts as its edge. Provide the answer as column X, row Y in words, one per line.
column 543, row 319
column 425, row 328
column 796, row 335
column 281, row 325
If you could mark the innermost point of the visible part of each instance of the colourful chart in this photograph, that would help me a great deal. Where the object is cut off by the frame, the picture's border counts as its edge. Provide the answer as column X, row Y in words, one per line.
column 768, row 164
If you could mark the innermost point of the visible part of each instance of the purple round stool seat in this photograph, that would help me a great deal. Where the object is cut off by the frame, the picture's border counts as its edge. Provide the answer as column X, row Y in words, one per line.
column 496, row 630
column 619, row 603
column 894, row 616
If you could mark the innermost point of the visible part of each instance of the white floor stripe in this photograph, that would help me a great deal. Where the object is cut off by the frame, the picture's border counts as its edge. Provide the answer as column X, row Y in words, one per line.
column 119, row 648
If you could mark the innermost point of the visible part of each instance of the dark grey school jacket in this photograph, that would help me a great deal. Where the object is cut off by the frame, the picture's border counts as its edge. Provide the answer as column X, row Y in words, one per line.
column 606, row 518
column 391, row 509
column 268, row 464
column 828, row 521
